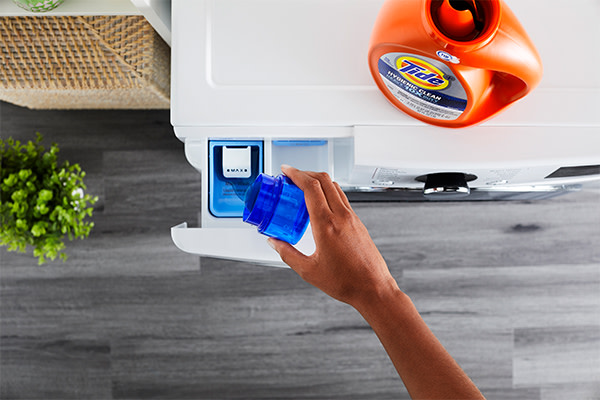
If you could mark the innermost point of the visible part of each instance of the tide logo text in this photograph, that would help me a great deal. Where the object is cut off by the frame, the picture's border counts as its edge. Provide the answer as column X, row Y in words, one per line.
column 421, row 73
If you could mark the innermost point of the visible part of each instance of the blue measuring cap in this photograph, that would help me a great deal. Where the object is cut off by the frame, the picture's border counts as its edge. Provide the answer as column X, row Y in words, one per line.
column 277, row 208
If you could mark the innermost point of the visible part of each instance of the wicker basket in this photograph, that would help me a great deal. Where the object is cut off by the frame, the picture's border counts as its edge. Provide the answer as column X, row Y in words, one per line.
column 83, row 62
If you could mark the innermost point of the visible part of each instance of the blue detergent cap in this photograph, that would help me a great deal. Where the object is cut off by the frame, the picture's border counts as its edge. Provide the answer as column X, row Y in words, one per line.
column 277, row 207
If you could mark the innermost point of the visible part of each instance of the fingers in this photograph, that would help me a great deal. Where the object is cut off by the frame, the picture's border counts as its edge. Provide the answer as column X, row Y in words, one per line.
column 334, row 200
column 320, row 189
column 289, row 255
column 316, row 202
column 343, row 196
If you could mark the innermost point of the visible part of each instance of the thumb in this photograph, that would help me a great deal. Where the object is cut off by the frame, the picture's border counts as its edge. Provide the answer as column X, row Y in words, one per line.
column 288, row 253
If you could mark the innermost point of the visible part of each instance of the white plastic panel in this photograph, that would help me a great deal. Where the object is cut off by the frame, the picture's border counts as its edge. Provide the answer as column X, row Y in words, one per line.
column 434, row 148
column 270, row 48
column 487, row 152
column 242, row 244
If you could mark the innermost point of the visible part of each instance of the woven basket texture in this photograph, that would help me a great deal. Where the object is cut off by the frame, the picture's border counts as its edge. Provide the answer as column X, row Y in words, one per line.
column 83, row 62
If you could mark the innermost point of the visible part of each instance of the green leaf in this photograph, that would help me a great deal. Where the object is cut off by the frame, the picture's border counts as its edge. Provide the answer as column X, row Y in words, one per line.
column 11, row 180
column 42, row 209
column 45, row 195
column 24, row 174
column 21, row 224
column 18, row 195
column 38, row 229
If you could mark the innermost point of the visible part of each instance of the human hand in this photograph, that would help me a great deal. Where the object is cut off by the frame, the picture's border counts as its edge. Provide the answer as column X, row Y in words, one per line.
column 347, row 266
column 346, row 263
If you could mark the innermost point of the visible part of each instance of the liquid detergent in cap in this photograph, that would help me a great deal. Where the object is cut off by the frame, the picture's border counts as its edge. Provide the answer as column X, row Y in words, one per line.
column 452, row 63
column 277, row 207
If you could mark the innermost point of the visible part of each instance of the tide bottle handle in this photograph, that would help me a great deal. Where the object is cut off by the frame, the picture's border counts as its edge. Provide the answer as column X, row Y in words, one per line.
column 516, row 72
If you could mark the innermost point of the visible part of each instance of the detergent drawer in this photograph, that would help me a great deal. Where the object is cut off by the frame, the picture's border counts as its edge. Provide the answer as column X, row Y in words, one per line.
column 240, row 244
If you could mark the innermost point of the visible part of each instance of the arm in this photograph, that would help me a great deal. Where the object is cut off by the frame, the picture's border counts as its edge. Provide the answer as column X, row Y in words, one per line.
column 347, row 266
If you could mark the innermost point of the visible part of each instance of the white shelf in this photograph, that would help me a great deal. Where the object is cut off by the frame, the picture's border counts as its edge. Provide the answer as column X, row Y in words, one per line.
column 75, row 7
column 158, row 14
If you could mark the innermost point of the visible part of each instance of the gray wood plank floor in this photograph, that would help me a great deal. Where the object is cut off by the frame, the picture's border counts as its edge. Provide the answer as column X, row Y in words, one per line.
column 512, row 289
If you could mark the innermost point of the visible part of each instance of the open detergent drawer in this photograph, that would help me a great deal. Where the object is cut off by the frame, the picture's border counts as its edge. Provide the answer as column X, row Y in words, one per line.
column 229, row 166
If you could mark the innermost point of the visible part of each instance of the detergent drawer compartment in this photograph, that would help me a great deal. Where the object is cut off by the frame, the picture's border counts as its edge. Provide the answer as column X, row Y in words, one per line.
column 232, row 167
column 312, row 155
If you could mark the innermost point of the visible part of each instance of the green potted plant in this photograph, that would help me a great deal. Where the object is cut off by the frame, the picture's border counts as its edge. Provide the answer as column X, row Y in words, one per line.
column 41, row 202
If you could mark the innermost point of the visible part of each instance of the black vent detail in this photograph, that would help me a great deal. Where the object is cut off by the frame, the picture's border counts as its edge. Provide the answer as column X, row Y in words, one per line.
column 583, row 170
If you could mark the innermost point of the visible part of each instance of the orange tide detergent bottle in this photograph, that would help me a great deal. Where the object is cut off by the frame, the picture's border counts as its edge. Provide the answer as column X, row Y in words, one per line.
column 452, row 63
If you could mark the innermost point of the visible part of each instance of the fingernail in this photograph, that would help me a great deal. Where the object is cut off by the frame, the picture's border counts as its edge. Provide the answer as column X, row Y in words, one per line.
column 271, row 243
column 285, row 166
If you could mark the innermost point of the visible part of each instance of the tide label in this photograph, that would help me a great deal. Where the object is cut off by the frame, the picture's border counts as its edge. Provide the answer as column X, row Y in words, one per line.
column 424, row 85
column 421, row 73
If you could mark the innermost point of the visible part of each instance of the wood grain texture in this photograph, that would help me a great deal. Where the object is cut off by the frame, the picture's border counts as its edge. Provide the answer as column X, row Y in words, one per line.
column 563, row 230
column 555, row 355
column 535, row 307
column 572, row 391
column 59, row 369
column 512, row 289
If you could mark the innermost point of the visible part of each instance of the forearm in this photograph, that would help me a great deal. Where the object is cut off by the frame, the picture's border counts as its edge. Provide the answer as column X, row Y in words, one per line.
column 347, row 265
column 424, row 365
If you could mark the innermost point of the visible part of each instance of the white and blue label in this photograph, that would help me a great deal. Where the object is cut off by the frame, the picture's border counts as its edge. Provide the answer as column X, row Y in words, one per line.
column 424, row 85
column 444, row 55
